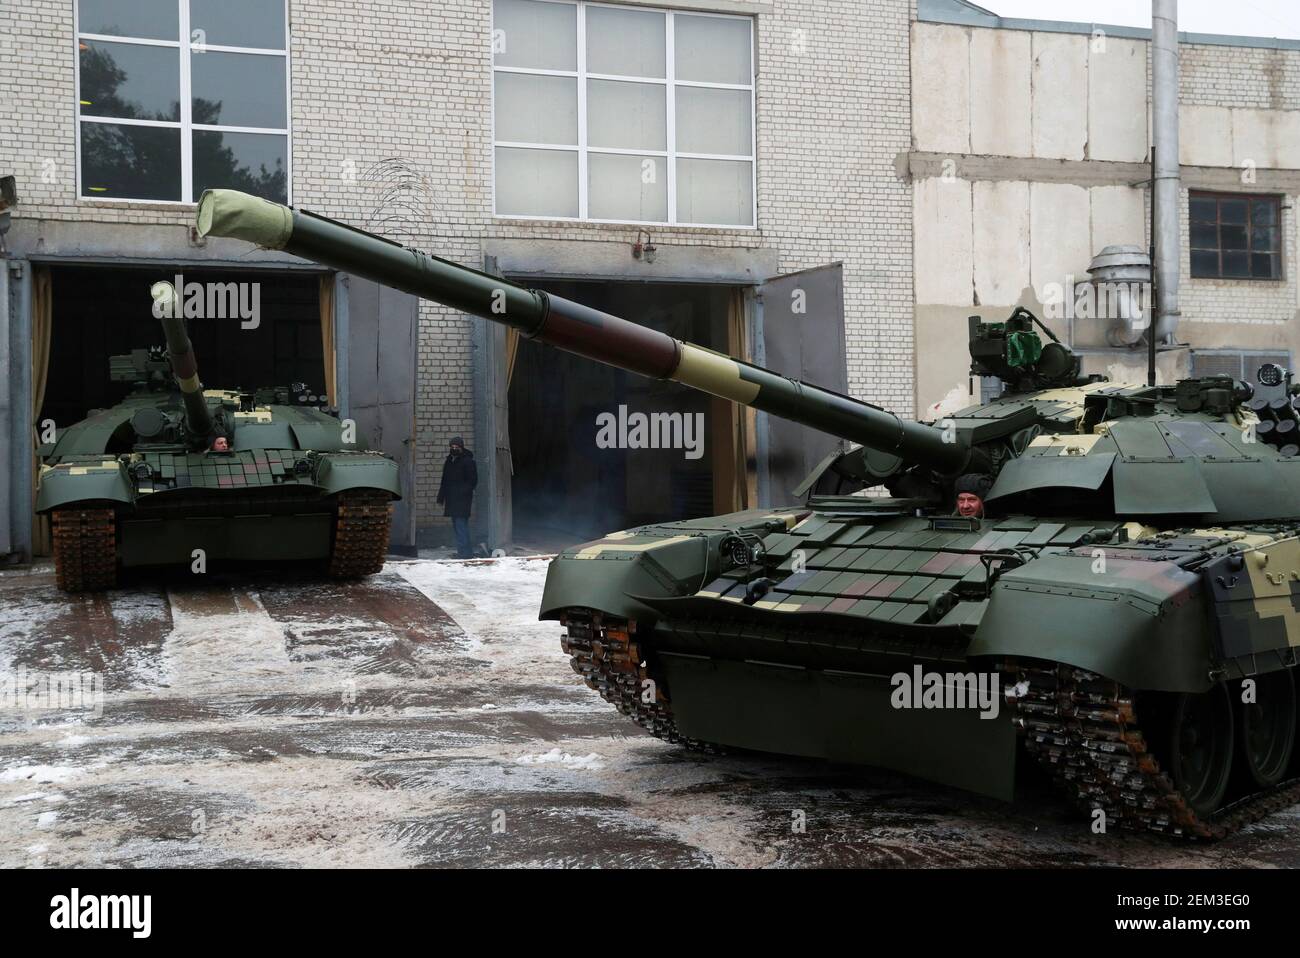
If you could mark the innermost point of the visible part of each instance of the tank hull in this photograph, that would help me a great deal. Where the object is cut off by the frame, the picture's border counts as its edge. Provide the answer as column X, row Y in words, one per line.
column 883, row 638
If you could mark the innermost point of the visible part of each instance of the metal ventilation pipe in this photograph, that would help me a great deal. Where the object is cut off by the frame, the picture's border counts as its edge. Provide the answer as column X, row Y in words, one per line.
column 1119, row 275
column 1164, row 163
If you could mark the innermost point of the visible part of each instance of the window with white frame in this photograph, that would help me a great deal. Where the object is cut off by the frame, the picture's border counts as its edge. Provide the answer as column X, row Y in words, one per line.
column 622, row 114
column 179, row 96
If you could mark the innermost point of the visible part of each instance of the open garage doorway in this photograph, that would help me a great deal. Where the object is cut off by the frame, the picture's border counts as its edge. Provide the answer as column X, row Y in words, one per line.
column 86, row 314
column 581, row 468
column 98, row 312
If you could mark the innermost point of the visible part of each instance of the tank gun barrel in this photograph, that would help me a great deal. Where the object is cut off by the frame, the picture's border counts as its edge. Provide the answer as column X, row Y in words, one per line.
column 180, row 353
column 571, row 326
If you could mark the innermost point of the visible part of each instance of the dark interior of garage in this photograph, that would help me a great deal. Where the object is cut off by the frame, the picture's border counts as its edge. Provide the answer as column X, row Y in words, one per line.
column 565, row 487
column 98, row 312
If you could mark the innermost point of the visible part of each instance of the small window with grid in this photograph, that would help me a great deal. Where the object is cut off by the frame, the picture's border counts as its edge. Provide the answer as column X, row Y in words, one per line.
column 1235, row 236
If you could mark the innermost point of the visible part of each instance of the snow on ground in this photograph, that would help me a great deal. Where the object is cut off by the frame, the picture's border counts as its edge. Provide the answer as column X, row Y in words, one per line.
column 425, row 717
column 496, row 604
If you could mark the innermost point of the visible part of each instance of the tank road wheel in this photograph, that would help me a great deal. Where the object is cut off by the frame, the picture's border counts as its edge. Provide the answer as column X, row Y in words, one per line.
column 361, row 525
column 1268, row 728
column 1200, row 747
column 85, row 549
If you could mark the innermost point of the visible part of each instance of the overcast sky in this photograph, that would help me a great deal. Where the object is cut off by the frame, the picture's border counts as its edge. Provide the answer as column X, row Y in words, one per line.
column 1247, row 18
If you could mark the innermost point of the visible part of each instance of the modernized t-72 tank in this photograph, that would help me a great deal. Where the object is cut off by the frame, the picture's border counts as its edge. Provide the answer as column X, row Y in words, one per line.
column 1127, row 590
column 175, row 468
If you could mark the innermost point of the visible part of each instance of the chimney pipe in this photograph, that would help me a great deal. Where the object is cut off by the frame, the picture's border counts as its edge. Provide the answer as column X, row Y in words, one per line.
column 1164, row 168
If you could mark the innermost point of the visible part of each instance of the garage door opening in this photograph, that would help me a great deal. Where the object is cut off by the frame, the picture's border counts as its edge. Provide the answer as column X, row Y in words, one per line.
column 596, row 449
column 98, row 312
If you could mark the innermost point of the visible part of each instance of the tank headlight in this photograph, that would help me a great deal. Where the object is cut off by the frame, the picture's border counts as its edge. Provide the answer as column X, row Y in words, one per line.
column 1271, row 374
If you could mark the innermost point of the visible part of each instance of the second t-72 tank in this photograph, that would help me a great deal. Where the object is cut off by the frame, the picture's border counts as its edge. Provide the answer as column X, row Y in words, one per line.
column 1116, row 568
column 176, row 473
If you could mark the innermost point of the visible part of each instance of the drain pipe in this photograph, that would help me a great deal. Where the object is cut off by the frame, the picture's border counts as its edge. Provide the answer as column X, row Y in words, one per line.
column 1164, row 171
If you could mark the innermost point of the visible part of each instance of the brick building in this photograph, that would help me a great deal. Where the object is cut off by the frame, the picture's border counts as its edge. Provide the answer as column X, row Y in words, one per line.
column 387, row 120
column 669, row 161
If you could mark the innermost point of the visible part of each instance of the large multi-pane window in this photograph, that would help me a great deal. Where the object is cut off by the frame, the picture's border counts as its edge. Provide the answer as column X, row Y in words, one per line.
column 1235, row 235
column 622, row 114
column 179, row 96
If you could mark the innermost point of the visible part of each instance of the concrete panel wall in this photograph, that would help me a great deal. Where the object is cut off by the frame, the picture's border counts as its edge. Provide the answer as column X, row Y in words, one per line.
column 1204, row 135
column 941, row 88
column 1118, row 217
column 1059, row 237
column 1001, row 238
column 1268, row 139
column 1041, row 214
column 999, row 93
column 943, row 264
column 1060, row 95
column 1117, row 99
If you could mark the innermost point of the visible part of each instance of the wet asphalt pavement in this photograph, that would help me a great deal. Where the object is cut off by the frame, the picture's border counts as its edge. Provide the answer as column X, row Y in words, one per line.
column 424, row 718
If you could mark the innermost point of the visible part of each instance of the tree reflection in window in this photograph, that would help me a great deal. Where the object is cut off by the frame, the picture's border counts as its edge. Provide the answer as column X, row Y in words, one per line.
column 143, row 158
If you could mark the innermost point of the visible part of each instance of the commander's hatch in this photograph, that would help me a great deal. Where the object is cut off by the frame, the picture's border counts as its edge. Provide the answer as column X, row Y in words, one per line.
column 800, row 324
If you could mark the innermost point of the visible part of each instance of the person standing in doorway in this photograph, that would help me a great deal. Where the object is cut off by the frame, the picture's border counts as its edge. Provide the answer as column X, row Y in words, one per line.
column 456, row 492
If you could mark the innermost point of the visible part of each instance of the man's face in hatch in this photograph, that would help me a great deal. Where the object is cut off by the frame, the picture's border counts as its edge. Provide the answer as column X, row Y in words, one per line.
column 456, row 448
column 969, row 505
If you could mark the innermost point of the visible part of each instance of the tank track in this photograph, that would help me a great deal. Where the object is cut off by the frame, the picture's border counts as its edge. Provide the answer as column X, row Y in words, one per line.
column 361, row 528
column 85, row 549
column 602, row 650
column 1083, row 730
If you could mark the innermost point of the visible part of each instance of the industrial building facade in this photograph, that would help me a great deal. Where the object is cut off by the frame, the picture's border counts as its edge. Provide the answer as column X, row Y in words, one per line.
column 1031, row 146
column 685, row 125
column 829, row 187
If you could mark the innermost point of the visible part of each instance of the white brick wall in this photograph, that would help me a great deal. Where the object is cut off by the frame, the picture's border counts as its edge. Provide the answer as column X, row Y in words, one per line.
column 411, row 80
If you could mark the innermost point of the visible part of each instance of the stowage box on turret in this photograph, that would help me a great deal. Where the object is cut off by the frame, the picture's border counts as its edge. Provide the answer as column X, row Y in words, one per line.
column 176, row 474
column 1114, row 568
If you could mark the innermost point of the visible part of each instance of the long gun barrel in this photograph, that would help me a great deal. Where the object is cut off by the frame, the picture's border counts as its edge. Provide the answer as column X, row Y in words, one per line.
column 572, row 327
column 180, row 353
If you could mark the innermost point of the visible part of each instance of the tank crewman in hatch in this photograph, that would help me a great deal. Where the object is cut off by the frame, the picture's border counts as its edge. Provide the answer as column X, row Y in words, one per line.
column 456, row 492
column 971, row 490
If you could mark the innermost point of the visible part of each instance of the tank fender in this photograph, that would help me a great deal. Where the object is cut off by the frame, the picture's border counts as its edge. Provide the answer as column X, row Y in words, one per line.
column 667, row 561
column 339, row 473
column 608, row 573
column 97, row 480
column 1142, row 623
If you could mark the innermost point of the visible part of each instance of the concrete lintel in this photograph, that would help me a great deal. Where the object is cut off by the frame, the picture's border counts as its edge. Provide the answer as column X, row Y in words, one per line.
column 77, row 241
column 603, row 260
column 920, row 166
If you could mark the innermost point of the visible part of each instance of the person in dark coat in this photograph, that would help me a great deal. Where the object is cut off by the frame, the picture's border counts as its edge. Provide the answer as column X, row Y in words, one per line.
column 456, row 492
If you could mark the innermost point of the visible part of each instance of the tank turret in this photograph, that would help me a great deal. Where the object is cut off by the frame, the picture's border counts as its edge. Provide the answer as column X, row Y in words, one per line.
column 575, row 328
